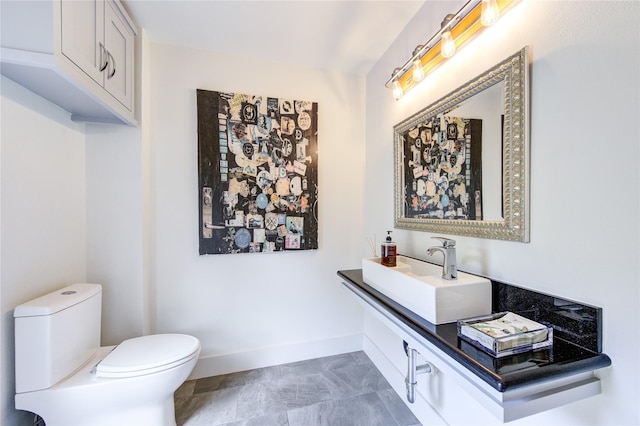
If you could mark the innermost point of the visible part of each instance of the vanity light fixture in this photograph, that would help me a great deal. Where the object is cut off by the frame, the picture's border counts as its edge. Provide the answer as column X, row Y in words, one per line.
column 490, row 12
column 397, row 88
column 456, row 29
column 418, row 71
column 447, row 45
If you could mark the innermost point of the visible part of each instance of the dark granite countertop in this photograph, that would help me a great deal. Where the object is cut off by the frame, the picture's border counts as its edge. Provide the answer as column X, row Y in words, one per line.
column 564, row 359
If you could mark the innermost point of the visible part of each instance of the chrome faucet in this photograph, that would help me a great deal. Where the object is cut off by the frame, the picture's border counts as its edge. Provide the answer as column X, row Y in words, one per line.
column 448, row 249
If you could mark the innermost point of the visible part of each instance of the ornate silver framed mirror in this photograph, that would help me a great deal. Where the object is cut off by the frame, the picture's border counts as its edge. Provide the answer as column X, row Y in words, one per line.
column 462, row 163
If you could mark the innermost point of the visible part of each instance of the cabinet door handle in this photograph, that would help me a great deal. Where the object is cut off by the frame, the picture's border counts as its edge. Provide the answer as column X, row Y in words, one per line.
column 113, row 63
column 104, row 58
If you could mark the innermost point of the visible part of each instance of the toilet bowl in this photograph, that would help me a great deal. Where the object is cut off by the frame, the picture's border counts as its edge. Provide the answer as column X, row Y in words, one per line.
column 67, row 382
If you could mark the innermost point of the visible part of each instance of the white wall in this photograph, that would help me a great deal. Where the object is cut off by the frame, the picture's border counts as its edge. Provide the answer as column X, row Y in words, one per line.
column 118, row 219
column 584, row 178
column 114, row 240
column 251, row 310
column 43, row 211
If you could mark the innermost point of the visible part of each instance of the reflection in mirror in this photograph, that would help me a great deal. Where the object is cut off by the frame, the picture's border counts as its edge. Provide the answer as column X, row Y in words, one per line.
column 461, row 163
column 487, row 107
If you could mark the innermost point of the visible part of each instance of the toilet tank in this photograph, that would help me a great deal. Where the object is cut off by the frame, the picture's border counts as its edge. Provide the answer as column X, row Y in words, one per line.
column 55, row 334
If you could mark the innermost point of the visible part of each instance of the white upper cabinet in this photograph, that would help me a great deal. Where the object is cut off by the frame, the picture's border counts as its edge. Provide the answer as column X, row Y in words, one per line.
column 78, row 54
column 118, row 44
column 82, row 32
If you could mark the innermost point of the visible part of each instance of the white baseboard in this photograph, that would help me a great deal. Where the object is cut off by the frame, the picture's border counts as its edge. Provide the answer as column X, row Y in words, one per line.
column 214, row 365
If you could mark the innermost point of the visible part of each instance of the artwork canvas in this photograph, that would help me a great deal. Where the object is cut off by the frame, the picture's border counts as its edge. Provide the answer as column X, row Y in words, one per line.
column 258, row 173
column 443, row 169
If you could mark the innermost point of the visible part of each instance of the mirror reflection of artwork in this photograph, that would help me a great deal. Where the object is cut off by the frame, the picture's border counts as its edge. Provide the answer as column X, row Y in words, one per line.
column 258, row 173
column 443, row 169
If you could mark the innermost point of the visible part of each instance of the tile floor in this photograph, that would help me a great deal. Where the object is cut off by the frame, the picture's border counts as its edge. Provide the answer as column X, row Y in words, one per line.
column 344, row 389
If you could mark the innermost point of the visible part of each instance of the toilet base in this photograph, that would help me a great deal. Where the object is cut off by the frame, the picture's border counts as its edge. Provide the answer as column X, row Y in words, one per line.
column 84, row 399
column 160, row 416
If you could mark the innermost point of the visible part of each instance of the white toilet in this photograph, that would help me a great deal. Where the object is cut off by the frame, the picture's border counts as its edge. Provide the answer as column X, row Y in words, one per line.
column 64, row 376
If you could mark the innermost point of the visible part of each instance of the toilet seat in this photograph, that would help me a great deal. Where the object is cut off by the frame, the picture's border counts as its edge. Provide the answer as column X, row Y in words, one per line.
column 148, row 355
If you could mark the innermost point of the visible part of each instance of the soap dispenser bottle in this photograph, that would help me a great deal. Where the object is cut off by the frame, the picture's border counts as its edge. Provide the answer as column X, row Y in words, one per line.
column 388, row 251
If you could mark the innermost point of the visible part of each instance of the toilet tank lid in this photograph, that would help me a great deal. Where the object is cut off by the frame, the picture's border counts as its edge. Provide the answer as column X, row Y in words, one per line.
column 58, row 300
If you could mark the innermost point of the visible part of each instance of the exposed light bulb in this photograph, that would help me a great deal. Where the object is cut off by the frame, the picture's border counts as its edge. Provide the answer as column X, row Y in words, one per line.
column 418, row 72
column 397, row 89
column 447, row 45
column 490, row 12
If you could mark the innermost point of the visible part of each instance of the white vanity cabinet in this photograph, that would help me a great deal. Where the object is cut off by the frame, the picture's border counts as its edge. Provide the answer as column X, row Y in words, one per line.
column 455, row 385
column 440, row 399
column 79, row 55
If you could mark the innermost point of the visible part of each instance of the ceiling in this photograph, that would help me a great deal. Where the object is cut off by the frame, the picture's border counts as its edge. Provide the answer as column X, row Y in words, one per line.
column 347, row 36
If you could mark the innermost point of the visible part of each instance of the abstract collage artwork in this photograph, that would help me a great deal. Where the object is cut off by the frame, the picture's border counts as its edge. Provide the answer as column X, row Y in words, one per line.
column 257, row 173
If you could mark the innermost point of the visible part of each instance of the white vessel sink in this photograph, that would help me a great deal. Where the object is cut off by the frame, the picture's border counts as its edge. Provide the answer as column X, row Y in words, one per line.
column 419, row 287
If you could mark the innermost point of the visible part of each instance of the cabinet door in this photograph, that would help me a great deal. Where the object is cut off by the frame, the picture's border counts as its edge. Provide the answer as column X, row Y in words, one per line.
column 82, row 35
column 119, row 43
